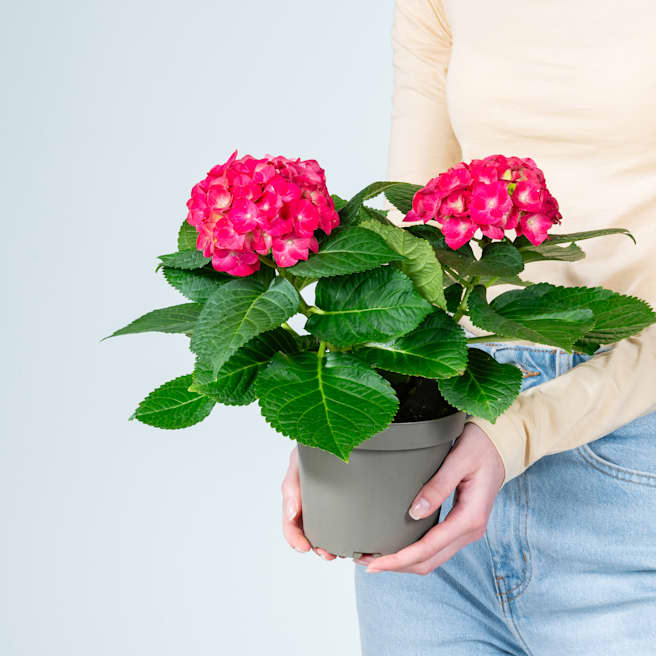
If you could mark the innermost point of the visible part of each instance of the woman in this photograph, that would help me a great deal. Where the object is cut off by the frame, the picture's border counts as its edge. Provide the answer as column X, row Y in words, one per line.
column 550, row 545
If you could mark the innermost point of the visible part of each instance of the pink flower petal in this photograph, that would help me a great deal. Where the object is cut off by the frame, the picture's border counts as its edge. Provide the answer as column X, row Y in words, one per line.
column 456, row 203
column 236, row 263
column 244, row 215
column 458, row 231
column 535, row 227
column 528, row 196
column 288, row 250
column 489, row 203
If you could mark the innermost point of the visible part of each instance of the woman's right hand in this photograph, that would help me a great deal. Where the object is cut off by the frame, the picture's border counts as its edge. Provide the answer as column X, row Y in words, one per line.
column 292, row 518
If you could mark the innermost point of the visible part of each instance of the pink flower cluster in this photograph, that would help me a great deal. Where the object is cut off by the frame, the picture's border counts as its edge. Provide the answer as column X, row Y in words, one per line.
column 494, row 195
column 249, row 207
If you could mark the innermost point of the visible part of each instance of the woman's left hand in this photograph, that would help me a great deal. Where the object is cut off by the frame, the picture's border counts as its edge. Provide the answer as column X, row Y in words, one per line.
column 475, row 470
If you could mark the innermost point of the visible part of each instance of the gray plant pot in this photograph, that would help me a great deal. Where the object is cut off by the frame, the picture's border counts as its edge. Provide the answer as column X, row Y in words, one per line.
column 362, row 506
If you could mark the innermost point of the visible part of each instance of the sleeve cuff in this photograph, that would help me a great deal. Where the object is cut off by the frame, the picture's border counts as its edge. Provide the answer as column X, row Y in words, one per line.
column 509, row 440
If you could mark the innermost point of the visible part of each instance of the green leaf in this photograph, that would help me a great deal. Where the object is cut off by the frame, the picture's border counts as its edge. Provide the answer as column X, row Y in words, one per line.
column 588, row 234
column 616, row 316
column 187, row 236
column 333, row 403
column 233, row 385
column 585, row 346
column 491, row 281
column 372, row 214
column 307, row 342
column 401, row 195
column 420, row 264
column 453, row 295
column 198, row 284
column 486, row 389
column 459, row 259
column 346, row 251
column 370, row 306
column 174, row 319
column 349, row 212
column 548, row 251
column 339, row 202
column 187, row 259
column 497, row 259
column 173, row 406
column 237, row 312
column 541, row 313
column 437, row 348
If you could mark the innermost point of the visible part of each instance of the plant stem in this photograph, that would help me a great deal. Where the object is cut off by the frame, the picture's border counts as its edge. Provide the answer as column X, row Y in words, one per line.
column 462, row 308
column 338, row 349
column 306, row 309
column 267, row 261
column 289, row 329
column 453, row 274
column 322, row 350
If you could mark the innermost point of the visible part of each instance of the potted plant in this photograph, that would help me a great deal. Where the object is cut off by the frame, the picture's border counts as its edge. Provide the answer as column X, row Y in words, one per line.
column 377, row 388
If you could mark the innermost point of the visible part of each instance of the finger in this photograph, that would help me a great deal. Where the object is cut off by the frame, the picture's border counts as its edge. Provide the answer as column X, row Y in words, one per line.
column 291, row 488
column 326, row 555
column 365, row 559
column 469, row 515
column 292, row 523
column 433, row 494
column 440, row 557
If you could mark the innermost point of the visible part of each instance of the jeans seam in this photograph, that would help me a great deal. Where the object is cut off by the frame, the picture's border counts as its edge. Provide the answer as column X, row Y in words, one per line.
column 509, row 613
column 617, row 472
column 526, row 550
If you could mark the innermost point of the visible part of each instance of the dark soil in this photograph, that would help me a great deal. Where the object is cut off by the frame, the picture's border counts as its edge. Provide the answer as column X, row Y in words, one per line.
column 419, row 398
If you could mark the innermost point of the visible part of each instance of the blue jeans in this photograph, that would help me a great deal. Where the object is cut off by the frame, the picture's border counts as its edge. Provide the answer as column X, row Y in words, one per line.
column 567, row 565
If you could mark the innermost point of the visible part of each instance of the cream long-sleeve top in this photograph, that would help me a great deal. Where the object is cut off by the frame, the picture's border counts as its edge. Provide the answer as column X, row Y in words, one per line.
column 572, row 85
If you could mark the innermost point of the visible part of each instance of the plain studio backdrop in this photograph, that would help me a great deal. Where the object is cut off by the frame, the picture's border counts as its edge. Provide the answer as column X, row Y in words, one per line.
column 118, row 538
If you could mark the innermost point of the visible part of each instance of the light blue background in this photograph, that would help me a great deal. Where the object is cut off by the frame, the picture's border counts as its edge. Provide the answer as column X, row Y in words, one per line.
column 116, row 538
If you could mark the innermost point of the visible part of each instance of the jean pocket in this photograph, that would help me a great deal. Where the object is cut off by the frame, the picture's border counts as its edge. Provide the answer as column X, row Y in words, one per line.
column 532, row 366
column 628, row 454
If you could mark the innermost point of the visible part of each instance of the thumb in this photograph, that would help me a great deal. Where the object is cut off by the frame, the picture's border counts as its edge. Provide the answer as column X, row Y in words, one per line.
column 291, row 489
column 433, row 494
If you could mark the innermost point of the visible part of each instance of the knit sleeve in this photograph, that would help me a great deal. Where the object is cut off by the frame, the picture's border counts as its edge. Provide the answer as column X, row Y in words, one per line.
column 422, row 142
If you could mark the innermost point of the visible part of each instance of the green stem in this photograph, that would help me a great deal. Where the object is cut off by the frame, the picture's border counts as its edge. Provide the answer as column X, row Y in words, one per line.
column 304, row 282
column 462, row 308
column 303, row 307
column 338, row 349
column 289, row 329
column 267, row 261
column 453, row 274
column 322, row 350
column 306, row 309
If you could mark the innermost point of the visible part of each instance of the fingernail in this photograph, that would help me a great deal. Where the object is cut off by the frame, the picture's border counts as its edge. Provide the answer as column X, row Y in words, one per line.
column 291, row 509
column 357, row 561
column 319, row 553
column 420, row 509
column 297, row 549
column 373, row 571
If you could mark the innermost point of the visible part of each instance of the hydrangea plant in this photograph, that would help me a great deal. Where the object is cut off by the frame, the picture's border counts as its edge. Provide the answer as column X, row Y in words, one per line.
column 382, row 336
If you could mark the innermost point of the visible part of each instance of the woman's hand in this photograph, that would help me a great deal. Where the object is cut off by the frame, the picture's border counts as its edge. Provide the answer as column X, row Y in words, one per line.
column 475, row 470
column 292, row 519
